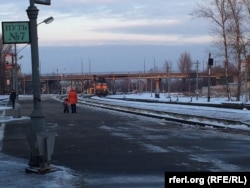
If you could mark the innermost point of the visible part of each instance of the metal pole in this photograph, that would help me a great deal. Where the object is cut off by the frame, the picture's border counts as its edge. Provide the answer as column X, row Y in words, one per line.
column 89, row 66
column 15, row 70
column 82, row 65
column 24, row 85
column 246, row 79
column 15, row 87
column 208, row 85
column 168, row 68
column 154, row 65
column 197, row 65
column 38, row 155
column 144, row 64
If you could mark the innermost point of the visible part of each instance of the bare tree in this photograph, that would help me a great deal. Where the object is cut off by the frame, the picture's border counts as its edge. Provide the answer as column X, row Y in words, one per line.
column 167, row 66
column 236, row 37
column 228, row 20
column 185, row 63
column 219, row 15
column 246, row 3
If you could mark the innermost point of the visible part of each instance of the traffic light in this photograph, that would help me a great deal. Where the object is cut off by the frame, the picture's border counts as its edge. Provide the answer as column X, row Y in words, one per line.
column 210, row 61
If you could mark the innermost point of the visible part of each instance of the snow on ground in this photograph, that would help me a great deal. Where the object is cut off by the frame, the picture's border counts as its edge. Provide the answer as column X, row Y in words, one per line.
column 13, row 175
column 165, row 97
column 242, row 115
column 13, row 169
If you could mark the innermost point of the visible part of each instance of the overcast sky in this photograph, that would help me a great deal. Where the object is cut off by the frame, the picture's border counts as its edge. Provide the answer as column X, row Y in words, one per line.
column 112, row 35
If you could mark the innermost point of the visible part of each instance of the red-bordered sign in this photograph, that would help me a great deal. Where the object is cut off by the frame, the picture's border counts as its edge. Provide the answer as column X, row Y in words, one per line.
column 8, row 61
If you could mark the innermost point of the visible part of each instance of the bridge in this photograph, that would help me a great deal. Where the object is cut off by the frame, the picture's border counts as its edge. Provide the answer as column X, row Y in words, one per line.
column 125, row 75
column 78, row 80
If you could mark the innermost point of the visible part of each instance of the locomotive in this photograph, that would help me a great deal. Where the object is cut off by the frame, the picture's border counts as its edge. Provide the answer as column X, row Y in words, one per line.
column 101, row 87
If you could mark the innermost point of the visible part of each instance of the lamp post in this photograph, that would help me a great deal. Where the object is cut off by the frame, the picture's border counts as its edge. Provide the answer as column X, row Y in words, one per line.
column 41, row 142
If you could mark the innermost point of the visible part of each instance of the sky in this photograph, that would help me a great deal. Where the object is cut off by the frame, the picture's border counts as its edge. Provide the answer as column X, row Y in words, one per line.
column 111, row 35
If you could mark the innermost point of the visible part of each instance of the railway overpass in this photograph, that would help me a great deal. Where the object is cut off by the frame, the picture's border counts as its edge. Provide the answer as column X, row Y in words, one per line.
column 125, row 75
column 49, row 81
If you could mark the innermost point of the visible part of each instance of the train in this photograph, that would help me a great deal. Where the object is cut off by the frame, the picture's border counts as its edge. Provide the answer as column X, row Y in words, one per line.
column 101, row 87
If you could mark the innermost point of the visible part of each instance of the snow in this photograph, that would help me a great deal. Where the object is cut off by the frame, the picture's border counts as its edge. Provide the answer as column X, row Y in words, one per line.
column 13, row 169
column 13, row 175
column 199, row 112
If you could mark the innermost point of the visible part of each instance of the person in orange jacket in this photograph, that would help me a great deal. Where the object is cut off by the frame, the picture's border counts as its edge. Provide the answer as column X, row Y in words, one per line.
column 72, row 99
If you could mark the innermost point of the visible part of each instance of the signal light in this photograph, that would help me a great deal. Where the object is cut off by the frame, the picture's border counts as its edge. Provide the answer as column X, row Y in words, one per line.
column 210, row 61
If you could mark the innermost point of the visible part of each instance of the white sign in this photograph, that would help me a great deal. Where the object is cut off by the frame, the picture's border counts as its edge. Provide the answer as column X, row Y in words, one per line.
column 16, row 32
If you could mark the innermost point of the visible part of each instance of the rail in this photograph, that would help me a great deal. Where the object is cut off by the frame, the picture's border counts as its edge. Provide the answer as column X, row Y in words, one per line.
column 192, row 119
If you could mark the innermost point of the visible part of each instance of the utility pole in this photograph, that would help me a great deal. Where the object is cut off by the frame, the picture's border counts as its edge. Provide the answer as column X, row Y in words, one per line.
column 246, row 93
column 82, row 75
column 196, row 88
column 17, row 113
column 246, row 78
column 209, row 64
column 144, row 64
column 82, row 65
column 168, row 79
column 89, row 66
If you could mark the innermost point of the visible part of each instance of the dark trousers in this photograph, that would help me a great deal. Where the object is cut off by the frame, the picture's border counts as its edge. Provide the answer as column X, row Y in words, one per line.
column 73, row 108
column 13, row 104
column 66, row 110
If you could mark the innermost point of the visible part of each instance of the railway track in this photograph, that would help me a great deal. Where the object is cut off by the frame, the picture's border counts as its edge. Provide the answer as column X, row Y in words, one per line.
column 169, row 115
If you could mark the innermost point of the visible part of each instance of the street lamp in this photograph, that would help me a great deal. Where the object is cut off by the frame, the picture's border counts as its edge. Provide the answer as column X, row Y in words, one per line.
column 41, row 141
column 47, row 20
